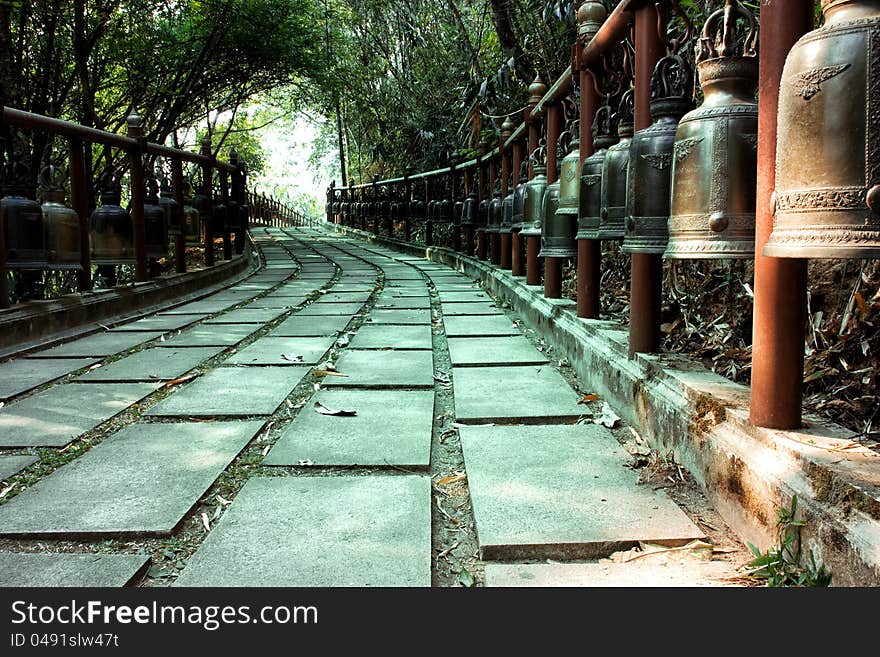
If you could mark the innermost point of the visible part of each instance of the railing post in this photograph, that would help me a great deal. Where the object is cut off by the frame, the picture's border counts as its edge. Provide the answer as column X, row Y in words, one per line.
column 224, row 199
column 646, row 282
column 429, row 227
column 179, row 237
column 208, row 192
column 243, row 208
column 453, row 188
column 552, row 265
column 135, row 130
column 780, row 312
column 469, row 229
column 493, row 238
column 407, row 218
column 79, row 201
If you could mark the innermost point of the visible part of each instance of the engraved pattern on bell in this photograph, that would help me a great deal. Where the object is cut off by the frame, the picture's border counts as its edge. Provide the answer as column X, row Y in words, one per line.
column 534, row 202
column 110, row 229
column 590, row 202
column 714, row 172
column 495, row 208
column 519, row 199
column 614, row 174
column 557, row 237
column 828, row 149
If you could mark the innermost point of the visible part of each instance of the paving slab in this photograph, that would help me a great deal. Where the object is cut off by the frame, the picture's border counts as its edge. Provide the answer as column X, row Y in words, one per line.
column 365, row 439
column 384, row 369
column 634, row 574
column 311, row 326
column 406, row 292
column 344, row 297
column 57, row 416
column 154, row 364
column 232, row 391
column 140, row 481
column 399, row 316
column 463, row 296
column 64, row 569
column 385, row 302
column 377, row 336
column 470, row 308
column 248, row 316
column 479, row 326
column 20, row 376
column 13, row 464
column 283, row 351
column 99, row 345
column 207, row 306
column 456, row 287
column 317, row 308
column 252, row 287
column 324, row 531
column 522, row 393
column 272, row 301
column 562, row 492
column 509, row 350
column 366, row 288
column 214, row 335
column 161, row 322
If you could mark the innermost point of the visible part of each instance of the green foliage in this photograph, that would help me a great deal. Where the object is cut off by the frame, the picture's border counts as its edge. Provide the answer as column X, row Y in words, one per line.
column 782, row 565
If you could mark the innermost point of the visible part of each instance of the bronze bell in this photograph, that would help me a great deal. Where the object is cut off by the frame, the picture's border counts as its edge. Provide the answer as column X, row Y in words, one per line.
column 110, row 229
column 519, row 199
column 169, row 207
column 22, row 217
column 445, row 211
column 220, row 215
column 61, row 224
column 494, row 223
column 827, row 198
column 192, row 224
column 714, row 169
column 614, row 170
column 590, row 200
column 650, row 163
column 469, row 210
column 507, row 211
column 534, row 202
column 483, row 214
column 457, row 211
column 559, row 235
column 155, row 228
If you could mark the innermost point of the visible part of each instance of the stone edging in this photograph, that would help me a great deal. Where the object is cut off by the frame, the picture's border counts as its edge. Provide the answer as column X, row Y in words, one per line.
column 702, row 420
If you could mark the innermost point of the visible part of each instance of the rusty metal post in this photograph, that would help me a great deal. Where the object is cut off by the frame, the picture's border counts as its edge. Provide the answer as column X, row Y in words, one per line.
column 646, row 282
column 179, row 237
column 589, row 251
column 135, row 130
column 224, row 198
column 780, row 312
column 208, row 192
column 481, row 196
column 553, row 266
column 494, row 237
column 453, row 191
column 469, row 229
column 79, row 201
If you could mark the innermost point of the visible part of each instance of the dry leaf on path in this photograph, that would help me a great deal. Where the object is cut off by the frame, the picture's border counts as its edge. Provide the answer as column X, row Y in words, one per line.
column 449, row 480
column 323, row 410
column 327, row 373
column 586, row 399
column 607, row 418
column 292, row 358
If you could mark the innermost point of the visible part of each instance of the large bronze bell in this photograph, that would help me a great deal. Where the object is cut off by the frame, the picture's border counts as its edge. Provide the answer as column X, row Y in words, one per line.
column 457, row 212
column 614, row 170
column 483, row 214
column 519, row 199
column 507, row 212
column 469, row 210
column 559, row 235
column 111, row 230
column 495, row 207
column 549, row 208
column 715, row 162
column 192, row 223
column 155, row 228
column 22, row 217
column 61, row 225
column 827, row 199
column 650, row 163
column 590, row 200
column 534, row 202
column 444, row 214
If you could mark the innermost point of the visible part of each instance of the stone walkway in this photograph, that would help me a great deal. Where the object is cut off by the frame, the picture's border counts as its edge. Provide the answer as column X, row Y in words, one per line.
column 311, row 393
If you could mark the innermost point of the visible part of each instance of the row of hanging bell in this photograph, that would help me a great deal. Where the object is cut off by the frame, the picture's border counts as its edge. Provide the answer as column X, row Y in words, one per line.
column 561, row 203
column 533, row 197
column 827, row 197
column 590, row 200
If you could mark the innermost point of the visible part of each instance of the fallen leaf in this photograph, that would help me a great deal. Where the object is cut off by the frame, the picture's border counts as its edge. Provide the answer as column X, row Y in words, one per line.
column 292, row 358
column 223, row 500
column 182, row 379
column 206, row 522
column 449, row 480
column 607, row 418
column 327, row 373
column 440, row 378
column 6, row 491
column 305, row 462
column 586, row 399
column 323, row 410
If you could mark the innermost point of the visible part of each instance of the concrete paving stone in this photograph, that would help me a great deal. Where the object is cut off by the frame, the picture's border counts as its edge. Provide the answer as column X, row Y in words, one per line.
column 252, row 287
column 215, row 335
column 311, row 326
column 20, row 376
column 473, row 326
column 153, row 364
column 140, row 481
column 205, row 306
column 522, row 393
column 248, row 316
column 98, row 345
column 470, row 308
column 364, row 288
column 399, row 317
column 272, row 351
column 13, row 464
column 228, row 391
column 418, row 291
column 384, row 369
column 456, row 287
column 417, row 336
column 463, row 297
column 344, row 297
column 294, row 290
column 57, row 416
column 273, row 301
column 327, row 440
column 324, row 531
column 391, row 279
column 345, row 309
column 160, row 322
column 634, row 574
column 320, row 278
column 508, row 350
column 40, row 569
column 385, row 302
column 562, row 492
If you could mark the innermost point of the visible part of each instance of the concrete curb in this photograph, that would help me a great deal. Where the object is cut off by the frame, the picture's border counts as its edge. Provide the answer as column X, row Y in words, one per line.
column 701, row 419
